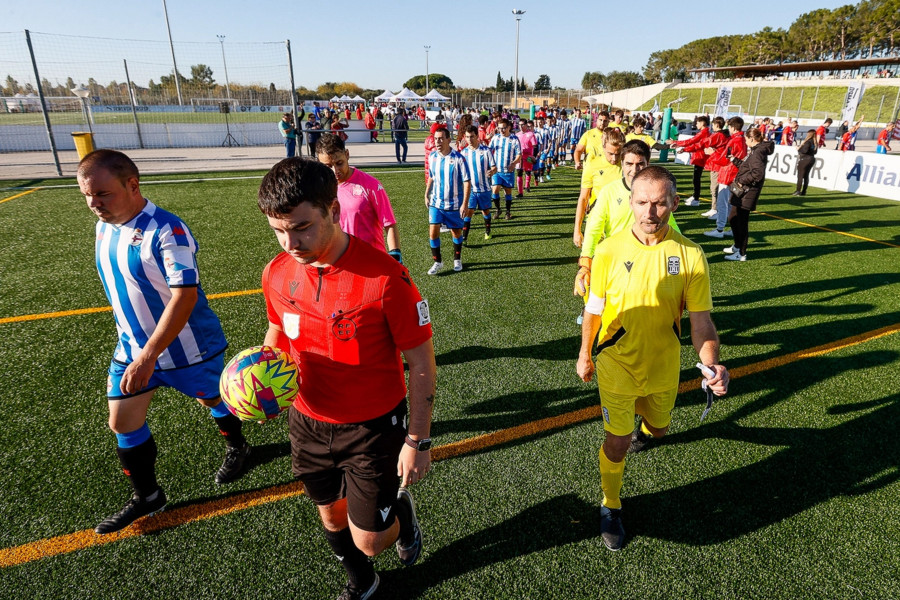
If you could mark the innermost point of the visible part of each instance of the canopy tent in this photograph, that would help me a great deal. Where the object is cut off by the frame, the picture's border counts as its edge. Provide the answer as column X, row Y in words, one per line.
column 346, row 98
column 357, row 98
column 406, row 95
column 385, row 97
column 335, row 99
column 435, row 95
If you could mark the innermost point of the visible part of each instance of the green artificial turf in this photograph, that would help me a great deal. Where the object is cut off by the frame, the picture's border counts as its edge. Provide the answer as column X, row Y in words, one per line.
column 787, row 490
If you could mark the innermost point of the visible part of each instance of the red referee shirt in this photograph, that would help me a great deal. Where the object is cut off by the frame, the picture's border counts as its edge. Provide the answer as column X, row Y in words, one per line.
column 346, row 325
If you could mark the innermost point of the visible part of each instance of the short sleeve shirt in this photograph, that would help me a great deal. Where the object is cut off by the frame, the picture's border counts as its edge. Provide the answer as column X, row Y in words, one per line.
column 646, row 288
column 346, row 325
column 365, row 208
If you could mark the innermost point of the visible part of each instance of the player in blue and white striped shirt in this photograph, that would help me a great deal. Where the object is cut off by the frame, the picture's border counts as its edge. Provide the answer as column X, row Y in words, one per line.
column 565, row 133
column 168, row 335
column 448, row 190
column 480, row 159
column 578, row 128
column 508, row 156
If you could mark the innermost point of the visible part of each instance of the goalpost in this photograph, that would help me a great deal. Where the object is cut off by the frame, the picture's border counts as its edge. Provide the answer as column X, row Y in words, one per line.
column 733, row 110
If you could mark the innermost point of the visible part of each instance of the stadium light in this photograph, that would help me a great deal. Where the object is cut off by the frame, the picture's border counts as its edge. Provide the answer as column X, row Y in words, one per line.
column 427, row 85
column 83, row 93
column 225, row 64
column 518, row 13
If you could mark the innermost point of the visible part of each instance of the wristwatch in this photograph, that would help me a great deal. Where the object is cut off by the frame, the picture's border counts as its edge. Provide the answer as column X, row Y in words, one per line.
column 420, row 445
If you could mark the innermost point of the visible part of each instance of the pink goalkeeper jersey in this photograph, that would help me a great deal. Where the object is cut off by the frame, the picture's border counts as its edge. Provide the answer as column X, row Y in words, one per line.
column 527, row 141
column 365, row 208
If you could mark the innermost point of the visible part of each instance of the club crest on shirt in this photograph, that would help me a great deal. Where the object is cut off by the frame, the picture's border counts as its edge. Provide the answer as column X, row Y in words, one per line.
column 291, row 324
column 424, row 314
column 137, row 237
column 344, row 329
column 673, row 265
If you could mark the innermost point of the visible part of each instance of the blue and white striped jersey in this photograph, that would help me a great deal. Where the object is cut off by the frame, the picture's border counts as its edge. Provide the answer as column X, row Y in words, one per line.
column 506, row 150
column 138, row 263
column 480, row 161
column 448, row 174
column 538, row 141
column 578, row 126
column 565, row 130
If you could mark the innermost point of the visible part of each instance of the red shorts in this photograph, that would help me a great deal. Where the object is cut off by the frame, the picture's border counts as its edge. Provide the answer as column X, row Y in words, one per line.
column 527, row 165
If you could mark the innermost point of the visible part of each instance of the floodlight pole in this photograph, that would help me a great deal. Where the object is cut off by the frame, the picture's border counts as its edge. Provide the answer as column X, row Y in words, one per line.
column 172, row 48
column 225, row 64
column 518, row 13
column 427, row 84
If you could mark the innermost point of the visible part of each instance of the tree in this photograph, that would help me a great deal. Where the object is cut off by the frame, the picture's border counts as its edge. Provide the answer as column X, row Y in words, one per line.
column 12, row 86
column 542, row 83
column 201, row 75
column 435, row 80
column 593, row 80
column 622, row 80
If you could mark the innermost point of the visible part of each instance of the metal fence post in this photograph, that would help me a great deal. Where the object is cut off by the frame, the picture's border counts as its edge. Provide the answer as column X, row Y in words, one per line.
column 137, row 125
column 37, row 79
column 297, row 124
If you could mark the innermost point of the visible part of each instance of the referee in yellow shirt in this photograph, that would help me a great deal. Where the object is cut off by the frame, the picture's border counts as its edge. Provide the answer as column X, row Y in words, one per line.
column 642, row 279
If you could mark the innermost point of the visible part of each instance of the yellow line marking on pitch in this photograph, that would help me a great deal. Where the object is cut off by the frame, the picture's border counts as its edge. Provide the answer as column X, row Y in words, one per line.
column 81, row 540
column 97, row 309
column 25, row 193
column 853, row 235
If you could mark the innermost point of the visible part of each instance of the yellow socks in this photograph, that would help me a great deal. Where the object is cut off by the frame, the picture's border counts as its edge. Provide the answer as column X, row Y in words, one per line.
column 611, row 480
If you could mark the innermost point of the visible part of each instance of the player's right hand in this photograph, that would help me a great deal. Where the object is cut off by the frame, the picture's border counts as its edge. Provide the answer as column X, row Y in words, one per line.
column 585, row 367
column 577, row 166
column 577, row 238
column 582, row 282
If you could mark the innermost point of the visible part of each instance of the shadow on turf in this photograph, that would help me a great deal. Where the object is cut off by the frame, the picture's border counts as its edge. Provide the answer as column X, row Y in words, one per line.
column 561, row 349
column 553, row 523
column 854, row 457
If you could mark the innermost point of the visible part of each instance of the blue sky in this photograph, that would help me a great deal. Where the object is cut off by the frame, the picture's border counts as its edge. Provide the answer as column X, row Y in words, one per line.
column 378, row 47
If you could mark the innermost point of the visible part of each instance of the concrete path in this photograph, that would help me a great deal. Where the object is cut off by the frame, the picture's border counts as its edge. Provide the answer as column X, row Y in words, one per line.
column 39, row 165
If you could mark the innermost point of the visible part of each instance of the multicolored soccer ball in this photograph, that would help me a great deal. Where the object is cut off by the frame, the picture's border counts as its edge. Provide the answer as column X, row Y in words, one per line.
column 259, row 383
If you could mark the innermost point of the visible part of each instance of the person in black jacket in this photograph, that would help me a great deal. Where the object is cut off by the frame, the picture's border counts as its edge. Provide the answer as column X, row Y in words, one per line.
column 400, row 128
column 806, row 158
column 751, row 175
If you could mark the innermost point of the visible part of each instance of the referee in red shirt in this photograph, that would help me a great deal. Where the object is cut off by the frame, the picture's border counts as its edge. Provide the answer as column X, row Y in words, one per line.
column 346, row 312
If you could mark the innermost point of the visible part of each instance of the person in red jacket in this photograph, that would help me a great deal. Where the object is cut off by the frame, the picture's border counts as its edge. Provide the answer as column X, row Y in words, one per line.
column 721, row 161
column 789, row 133
column 821, row 131
column 884, row 139
column 359, row 112
column 717, row 140
column 698, row 157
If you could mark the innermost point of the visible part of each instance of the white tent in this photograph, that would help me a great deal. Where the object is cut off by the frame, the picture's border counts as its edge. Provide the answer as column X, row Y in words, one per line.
column 385, row 97
column 357, row 98
column 435, row 95
column 406, row 95
column 346, row 98
column 335, row 99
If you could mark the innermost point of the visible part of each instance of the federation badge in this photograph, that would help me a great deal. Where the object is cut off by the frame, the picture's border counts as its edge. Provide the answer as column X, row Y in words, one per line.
column 344, row 329
column 291, row 324
column 674, row 265
column 424, row 315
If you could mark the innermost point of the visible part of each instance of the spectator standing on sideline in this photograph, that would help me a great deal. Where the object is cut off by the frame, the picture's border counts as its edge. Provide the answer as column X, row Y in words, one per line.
column 884, row 139
column 312, row 133
column 822, row 131
column 721, row 160
column 400, row 129
column 806, row 158
column 752, row 175
column 352, row 445
column 839, row 134
column 698, row 158
column 168, row 335
column 286, row 126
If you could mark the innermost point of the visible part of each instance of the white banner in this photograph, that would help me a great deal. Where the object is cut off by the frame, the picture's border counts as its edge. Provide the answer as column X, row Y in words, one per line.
column 851, row 100
column 867, row 173
column 722, row 101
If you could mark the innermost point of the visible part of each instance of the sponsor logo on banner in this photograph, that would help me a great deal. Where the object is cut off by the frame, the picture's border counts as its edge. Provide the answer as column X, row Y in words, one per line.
column 851, row 100
column 723, row 100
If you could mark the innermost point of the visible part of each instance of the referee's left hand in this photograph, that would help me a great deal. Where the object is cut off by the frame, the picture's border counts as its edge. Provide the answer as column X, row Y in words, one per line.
column 412, row 465
column 719, row 383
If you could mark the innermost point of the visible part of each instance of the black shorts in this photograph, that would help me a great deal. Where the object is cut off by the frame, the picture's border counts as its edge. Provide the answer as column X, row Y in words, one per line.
column 357, row 461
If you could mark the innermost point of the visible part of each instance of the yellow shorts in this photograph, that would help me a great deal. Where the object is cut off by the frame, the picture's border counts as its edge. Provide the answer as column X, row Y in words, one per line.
column 619, row 410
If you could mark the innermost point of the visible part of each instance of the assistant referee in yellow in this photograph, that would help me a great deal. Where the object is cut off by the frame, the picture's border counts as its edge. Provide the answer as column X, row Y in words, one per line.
column 642, row 279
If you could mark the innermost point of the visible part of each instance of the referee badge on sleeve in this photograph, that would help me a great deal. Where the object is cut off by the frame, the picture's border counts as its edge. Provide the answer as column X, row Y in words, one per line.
column 674, row 265
column 424, row 315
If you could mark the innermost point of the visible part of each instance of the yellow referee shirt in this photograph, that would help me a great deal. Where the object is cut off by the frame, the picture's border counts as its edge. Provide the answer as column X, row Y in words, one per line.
column 593, row 149
column 646, row 290
column 605, row 173
column 647, row 139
